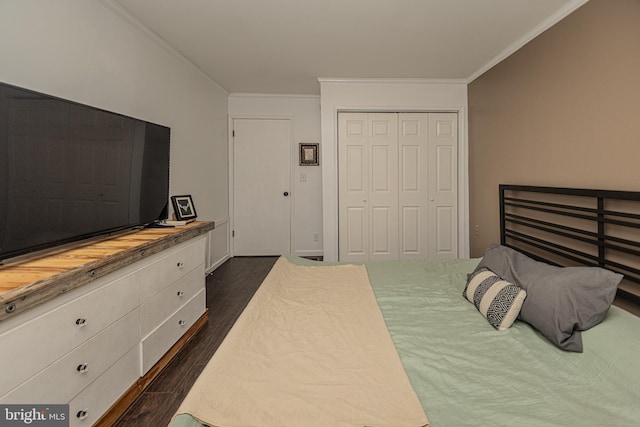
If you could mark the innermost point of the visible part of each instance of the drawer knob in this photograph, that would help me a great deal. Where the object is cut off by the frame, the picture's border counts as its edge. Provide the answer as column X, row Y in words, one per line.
column 182, row 323
column 81, row 322
column 82, row 414
column 10, row 308
column 180, row 293
column 82, row 368
column 180, row 264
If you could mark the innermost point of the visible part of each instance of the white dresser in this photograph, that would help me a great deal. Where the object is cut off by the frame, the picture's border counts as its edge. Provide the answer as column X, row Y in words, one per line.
column 89, row 346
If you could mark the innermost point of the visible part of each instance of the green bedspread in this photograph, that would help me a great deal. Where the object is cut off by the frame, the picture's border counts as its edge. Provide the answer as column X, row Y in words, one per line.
column 466, row 373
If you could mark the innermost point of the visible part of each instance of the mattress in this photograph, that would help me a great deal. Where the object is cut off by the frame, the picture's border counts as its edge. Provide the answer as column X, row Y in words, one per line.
column 464, row 372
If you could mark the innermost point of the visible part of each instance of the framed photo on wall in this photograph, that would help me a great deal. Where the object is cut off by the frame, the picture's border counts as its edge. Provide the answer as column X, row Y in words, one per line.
column 309, row 154
column 184, row 208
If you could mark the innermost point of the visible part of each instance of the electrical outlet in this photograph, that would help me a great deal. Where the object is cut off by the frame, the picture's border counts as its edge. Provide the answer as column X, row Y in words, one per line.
column 476, row 230
column 316, row 237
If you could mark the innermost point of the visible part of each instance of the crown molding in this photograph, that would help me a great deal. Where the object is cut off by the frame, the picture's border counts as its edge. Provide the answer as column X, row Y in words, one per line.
column 560, row 14
column 391, row 80
column 270, row 95
column 124, row 14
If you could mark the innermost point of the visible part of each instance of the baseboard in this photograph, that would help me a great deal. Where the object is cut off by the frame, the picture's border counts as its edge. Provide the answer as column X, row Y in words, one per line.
column 310, row 253
column 217, row 264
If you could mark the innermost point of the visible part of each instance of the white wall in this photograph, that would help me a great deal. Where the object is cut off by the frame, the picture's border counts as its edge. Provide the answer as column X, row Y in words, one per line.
column 387, row 95
column 91, row 52
column 304, row 112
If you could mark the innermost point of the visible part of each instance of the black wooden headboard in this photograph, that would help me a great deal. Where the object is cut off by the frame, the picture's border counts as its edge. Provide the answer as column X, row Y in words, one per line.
column 570, row 226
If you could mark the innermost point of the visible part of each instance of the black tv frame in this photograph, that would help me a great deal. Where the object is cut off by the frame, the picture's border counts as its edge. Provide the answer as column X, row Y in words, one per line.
column 48, row 246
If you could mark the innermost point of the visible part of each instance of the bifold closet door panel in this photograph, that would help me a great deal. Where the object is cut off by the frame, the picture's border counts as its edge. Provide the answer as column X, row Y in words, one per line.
column 442, row 182
column 353, row 182
column 383, row 186
column 412, row 189
column 368, row 181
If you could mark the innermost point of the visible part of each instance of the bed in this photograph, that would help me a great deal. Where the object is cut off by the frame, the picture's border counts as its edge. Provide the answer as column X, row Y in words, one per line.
column 452, row 359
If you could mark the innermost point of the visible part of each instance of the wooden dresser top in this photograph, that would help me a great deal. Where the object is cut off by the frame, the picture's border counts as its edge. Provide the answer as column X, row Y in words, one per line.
column 32, row 281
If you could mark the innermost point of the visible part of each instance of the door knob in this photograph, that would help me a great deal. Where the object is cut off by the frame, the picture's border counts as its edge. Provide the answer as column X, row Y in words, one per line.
column 285, row 194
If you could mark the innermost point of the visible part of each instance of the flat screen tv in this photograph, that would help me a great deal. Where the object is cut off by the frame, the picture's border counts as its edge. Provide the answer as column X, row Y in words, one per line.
column 70, row 172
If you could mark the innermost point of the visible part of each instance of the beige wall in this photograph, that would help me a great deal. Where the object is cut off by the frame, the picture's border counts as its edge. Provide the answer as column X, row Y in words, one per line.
column 562, row 111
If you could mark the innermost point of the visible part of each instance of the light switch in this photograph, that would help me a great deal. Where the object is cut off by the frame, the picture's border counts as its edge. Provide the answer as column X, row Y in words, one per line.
column 303, row 177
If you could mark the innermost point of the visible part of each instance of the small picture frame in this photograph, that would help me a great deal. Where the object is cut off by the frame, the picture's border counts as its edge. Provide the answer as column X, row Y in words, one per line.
column 309, row 154
column 184, row 208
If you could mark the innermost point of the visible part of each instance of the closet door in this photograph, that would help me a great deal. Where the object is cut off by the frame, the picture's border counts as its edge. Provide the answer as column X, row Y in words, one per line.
column 383, row 186
column 428, row 193
column 412, row 189
column 353, row 184
column 368, row 181
column 442, row 182
column 397, row 180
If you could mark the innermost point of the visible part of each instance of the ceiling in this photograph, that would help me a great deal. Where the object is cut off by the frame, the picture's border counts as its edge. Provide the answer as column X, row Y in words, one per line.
column 284, row 46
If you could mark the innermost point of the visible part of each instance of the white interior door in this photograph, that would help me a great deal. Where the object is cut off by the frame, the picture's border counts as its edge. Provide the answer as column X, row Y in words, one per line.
column 261, row 187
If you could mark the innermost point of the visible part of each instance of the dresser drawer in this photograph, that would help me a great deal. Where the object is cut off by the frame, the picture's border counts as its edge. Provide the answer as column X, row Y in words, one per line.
column 88, row 406
column 158, row 308
column 170, row 267
column 65, row 378
column 32, row 346
column 155, row 345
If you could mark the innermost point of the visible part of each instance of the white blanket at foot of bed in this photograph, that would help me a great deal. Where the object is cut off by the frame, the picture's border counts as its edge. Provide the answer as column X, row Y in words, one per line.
column 310, row 349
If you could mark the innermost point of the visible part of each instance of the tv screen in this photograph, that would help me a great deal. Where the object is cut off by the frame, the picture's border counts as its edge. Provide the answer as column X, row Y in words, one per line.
column 69, row 171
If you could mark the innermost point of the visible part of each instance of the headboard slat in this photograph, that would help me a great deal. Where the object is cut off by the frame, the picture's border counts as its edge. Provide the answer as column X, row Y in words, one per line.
column 600, row 238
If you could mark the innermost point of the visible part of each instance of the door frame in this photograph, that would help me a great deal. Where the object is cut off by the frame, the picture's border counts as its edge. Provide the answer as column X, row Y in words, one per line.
column 330, row 171
column 231, row 164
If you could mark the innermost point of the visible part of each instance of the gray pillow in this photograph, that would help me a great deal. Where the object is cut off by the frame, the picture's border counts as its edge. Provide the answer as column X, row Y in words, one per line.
column 561, row 301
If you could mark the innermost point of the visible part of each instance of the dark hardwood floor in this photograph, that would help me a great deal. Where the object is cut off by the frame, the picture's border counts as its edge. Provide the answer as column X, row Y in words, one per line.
column 229, row 289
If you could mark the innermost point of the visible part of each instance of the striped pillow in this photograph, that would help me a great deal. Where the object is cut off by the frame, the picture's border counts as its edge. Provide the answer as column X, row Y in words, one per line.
column 498, row 300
